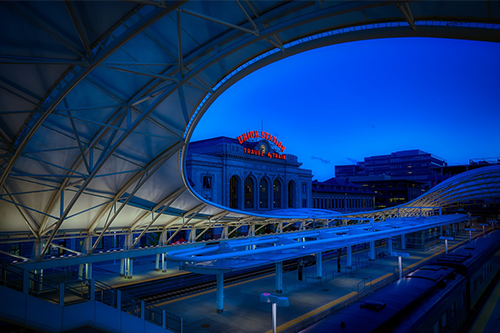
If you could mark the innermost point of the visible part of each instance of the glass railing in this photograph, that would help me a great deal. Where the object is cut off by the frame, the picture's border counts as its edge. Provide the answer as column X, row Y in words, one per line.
column 71, row 291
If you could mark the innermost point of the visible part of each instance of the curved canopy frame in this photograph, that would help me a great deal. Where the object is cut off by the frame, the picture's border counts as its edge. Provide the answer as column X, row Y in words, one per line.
column 98, row 100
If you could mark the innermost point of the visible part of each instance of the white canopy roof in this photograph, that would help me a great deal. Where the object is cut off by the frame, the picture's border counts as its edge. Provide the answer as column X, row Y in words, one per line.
column 98, row 99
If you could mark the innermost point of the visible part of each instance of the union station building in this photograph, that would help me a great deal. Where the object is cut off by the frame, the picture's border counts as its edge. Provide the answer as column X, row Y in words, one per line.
column 250, row 173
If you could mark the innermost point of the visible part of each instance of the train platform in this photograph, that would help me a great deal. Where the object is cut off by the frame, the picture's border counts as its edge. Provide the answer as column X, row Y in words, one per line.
column 243, row 311
column 144, row 271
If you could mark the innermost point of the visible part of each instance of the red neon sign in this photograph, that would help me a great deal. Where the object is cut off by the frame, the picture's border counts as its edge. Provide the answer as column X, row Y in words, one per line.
column 262, row 135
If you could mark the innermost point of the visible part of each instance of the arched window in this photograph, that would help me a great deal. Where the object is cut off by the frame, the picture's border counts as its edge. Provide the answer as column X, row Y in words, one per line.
column 291, row 194
column 249, row 191
column 277, row 193
column 264, row 193
column 234, row 187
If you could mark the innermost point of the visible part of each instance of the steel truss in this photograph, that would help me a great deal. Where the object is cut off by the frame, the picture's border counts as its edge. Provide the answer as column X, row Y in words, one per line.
column 98, row 148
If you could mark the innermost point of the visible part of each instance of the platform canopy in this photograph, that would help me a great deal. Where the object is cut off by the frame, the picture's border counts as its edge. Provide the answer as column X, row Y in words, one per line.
column 232, row 255
column 98, row 100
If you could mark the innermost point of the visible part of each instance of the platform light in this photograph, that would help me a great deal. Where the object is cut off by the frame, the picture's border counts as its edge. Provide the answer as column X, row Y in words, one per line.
column 275, row 300
column 446, row 239
column 400, row 263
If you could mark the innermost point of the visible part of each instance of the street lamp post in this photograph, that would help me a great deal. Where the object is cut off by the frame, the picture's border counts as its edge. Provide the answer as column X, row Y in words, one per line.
column 400, row 263
column 446, row 239
column 276, row 301
column 470, row 230
column 483, row 225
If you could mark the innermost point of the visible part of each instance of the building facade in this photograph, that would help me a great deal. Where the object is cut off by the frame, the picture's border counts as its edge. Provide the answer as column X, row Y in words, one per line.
column 249, row 173
column 390, row 192
column 414, row 165
column 342, row 196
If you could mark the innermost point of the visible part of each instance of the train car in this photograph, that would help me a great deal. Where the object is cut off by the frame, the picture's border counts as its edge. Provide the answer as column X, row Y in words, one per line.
column 478, row 261
column 385, row 310
column 435, row 298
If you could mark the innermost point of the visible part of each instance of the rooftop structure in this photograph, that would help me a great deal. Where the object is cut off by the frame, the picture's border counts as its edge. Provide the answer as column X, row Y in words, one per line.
column 340, row 195
column 414, row 165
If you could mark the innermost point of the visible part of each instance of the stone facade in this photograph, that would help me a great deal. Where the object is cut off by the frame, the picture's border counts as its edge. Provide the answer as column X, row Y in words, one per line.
column 260, row 182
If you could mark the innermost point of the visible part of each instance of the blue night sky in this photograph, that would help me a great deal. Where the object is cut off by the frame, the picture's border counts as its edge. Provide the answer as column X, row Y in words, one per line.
column 339, row 104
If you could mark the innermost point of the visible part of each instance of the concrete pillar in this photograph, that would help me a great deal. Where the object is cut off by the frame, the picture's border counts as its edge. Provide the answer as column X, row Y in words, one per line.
column 87, row 244
column 403, row 242
column 349, row 256
column 37, row 249
column 131, row 268
column 372, row 250
column 163, row 238
column 220, row 292
column 80, row 271
column 129, row 240
column 389, row 244
column 279, row 277
column 163, row 268
column 157, row 264
column 122, row 267
column 88, row 270
column 319, row 264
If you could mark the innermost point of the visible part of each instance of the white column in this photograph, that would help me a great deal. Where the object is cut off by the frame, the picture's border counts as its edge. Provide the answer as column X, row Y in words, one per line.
column 220, row 292
column 163, row 269
column 400, row 264
column 127, row 244
column 157, row 265
column 274, row 317
column 87, row 244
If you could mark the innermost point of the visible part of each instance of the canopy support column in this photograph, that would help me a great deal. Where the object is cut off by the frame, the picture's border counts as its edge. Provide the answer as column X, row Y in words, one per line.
column 319, row 264
column 220, row 292
column 349, row 256
column 372, row 250
column 279, row 277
